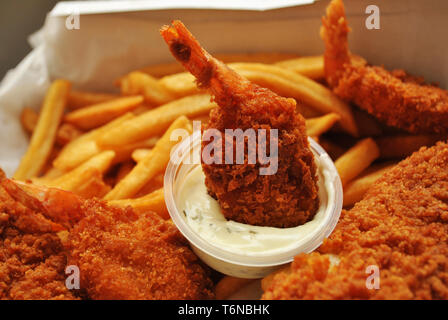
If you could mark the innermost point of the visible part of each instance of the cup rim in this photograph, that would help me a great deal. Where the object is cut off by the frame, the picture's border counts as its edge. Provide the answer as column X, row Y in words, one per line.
column 197, row 241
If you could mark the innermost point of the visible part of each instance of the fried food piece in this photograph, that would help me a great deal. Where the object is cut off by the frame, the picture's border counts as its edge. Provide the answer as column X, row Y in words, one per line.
column 395, row 98
column 286, row 198
column 120, row 254
column 123, row 255
column 229, row 285
column 44, row 134
column 401, row 226
column 32, row 260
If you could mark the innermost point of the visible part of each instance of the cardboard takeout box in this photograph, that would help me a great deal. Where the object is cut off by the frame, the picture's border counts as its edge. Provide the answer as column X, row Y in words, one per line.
column 93, row 43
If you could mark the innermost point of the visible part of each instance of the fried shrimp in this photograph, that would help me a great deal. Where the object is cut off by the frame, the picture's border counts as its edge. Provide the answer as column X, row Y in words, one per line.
column 123, row 255
column 395, row 98
column 400, row 228
column 120, row 254
column 285, row 198
column 32, row 259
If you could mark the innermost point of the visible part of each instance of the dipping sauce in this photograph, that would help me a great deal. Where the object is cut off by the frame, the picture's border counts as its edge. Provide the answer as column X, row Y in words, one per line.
column 203, row 214
column 240, row 252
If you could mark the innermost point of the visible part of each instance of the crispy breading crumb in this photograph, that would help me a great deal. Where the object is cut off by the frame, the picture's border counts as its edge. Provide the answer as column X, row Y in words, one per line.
column 395, row 98
column 32, row 259
column 285, row 197
column 401, row 226
column 123, row 255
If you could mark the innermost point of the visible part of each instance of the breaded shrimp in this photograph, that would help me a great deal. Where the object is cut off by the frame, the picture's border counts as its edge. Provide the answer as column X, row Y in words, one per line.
column 400, row 229
column 32, row 259
column 395, row 98
column 286, row 198
column 120, row 255
column 123, row 255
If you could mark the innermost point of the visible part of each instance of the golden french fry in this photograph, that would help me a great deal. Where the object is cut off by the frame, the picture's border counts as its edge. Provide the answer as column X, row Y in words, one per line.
column 307, row 111
column 52, row 174
column 259, row 57
column 164, row 69
column 357, row 159
column 142, row 109
column 124, row 152
column 401, row 146
column 266, row 282
column 354, row 191
column 228, row 285
column 152, row 185
column 85, row 146
column 98, row 114
column 67, row 133
column 180, row 84
column 44, row 134
column 93, row 186
column 290, row 84
column 141, row 83
column 75, row 153
column 284, row 82
column 75, row 178
column 48, row 176
column 155, row 121
column 317, row 126
column 28, row 119
column 311, row 67
column 54, row 153
column 154, row 201
column 152, row 164
column 139, row 154
column 80, row 99
column 124, row 170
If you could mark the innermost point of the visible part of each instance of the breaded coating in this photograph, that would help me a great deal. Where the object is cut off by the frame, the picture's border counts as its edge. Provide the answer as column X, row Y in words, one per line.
column 401, row 226
column 122, row 255
column 285, row 198
column 394, row 98
column 32, row 259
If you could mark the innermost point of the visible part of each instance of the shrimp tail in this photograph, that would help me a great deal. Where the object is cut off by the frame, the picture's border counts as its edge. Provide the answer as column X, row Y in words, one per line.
column 224, row 84
column 187, row 50
column 61, row 207
column 284, row 198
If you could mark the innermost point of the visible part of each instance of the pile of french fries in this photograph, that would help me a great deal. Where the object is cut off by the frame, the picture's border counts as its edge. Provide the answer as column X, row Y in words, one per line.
column 117, row 146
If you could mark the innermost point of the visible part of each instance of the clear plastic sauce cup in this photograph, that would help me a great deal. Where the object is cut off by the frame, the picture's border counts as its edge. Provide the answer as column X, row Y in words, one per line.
column 238, row 264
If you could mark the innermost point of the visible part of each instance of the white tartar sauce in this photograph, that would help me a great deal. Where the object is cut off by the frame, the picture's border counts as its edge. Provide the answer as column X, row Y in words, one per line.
column 203, row 214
